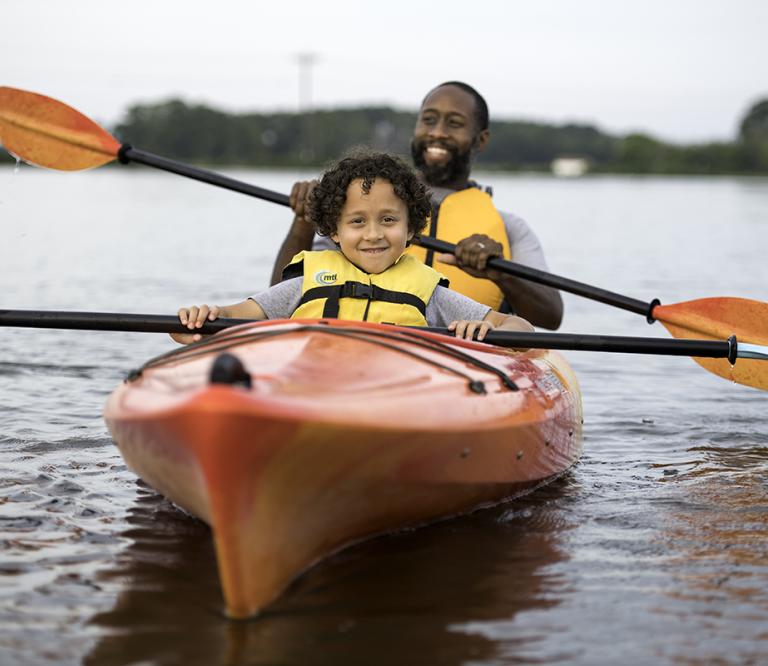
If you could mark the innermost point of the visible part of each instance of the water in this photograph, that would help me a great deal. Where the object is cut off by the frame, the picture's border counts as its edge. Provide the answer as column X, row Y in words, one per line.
column 652, row 550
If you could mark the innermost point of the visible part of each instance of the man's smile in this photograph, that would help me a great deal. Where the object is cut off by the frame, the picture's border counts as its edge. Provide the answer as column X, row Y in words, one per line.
column 436, row 153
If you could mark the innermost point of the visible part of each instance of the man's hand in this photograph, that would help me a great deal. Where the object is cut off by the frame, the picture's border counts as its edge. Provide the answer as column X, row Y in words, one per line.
column 298, row 196
column 472, row 255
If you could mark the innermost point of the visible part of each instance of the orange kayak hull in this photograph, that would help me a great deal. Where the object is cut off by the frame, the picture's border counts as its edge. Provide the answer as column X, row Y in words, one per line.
column 348, row 430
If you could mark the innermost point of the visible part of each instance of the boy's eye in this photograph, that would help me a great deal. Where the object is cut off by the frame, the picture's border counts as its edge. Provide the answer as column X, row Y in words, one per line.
column 389, row 219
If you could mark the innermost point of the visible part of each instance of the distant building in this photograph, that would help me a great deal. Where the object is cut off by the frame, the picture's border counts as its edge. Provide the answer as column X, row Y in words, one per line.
column 569, row 166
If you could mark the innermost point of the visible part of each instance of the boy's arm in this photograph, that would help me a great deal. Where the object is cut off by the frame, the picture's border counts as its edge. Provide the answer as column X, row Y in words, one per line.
column 247, row 309
column 195, row 316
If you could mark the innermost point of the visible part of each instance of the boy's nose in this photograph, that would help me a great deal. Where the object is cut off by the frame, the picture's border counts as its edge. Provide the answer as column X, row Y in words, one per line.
column 373, row 232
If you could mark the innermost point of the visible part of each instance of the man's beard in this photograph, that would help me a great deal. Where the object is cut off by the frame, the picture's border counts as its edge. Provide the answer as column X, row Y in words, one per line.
column 456, row 168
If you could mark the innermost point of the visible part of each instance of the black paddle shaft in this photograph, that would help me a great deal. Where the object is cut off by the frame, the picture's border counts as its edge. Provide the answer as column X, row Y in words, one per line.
column 108, row 321
column 127, row 154
column 150, row 323
column 615, row 343
column 566, row 284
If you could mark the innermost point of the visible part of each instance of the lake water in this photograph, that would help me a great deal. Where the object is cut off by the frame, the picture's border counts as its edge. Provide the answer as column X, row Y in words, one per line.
column 652, row 550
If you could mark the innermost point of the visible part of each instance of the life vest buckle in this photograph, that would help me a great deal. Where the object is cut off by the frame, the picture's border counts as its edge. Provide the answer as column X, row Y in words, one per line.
column 358, row 290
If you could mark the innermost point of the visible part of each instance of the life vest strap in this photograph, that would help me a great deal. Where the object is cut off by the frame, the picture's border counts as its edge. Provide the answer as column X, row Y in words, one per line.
column 371, row 292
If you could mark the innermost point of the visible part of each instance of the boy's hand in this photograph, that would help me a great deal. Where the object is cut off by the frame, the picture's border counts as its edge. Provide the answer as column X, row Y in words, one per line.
column 194, row 317
column 466, row 328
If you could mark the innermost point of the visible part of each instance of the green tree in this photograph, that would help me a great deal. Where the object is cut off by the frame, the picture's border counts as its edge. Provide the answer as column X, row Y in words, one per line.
column 754, row 136
column 640, row 153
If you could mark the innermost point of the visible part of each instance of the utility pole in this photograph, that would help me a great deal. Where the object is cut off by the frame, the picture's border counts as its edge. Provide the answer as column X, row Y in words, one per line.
column 306, row 62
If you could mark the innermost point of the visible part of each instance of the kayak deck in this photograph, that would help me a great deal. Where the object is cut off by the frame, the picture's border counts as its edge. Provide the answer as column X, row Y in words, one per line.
column 347, row 430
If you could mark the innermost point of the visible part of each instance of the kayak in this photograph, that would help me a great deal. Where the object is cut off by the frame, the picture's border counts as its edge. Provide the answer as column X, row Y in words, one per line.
column 295, row 438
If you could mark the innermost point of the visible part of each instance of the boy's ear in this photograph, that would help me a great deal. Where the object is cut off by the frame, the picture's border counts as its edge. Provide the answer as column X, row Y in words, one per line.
column 335, row 237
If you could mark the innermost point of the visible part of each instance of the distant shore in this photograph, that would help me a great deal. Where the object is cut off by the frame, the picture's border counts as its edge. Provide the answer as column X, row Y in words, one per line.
column 200, row 134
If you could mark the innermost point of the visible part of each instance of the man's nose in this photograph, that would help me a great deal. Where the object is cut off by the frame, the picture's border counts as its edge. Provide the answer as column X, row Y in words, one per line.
column 438, row 130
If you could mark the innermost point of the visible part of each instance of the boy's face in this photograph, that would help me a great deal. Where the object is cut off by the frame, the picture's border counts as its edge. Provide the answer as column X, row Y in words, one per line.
column 373, row 228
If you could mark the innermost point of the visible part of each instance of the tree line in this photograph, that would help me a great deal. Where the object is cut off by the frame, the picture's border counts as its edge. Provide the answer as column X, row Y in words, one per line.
column 201, row 134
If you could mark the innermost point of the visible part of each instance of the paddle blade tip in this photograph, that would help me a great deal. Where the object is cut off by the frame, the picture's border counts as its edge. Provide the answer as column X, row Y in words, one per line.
column 45, row 132
column 747, row 372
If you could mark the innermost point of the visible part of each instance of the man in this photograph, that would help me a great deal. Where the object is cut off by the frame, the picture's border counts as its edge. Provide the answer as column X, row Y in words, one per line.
column 451, row 130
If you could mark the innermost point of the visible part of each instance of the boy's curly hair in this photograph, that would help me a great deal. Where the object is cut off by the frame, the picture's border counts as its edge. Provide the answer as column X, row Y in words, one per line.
column 327, row 199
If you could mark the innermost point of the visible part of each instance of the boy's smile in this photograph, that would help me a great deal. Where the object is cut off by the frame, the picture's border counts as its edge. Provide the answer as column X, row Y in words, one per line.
column 373, row 227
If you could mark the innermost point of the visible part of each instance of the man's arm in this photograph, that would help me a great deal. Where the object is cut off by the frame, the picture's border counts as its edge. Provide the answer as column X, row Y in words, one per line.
column 299, row 238
column 539, row 304
column 301, row 233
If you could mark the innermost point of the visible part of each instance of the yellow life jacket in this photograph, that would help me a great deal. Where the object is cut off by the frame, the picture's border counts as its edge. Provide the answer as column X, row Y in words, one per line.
column 334, row 287
column 461, row 214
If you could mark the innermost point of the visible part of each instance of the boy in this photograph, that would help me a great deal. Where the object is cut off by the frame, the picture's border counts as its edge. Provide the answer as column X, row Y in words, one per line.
column 371, row 205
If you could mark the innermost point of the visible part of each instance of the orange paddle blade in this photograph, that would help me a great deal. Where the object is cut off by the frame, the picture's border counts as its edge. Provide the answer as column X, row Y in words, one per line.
column 48, row 133
column 718, row 319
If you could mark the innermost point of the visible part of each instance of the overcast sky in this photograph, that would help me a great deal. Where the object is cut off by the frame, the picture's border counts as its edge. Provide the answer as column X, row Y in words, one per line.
column 682, row 70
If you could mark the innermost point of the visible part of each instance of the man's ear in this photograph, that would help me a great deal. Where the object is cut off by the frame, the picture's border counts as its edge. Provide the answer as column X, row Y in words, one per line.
column 481, row 141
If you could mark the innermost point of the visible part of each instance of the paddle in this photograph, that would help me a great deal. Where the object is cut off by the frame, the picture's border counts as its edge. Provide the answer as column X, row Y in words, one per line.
column 147, row 323
column 43, row 131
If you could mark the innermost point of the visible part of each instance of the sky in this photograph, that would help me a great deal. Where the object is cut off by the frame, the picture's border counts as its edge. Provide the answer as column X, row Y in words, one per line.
column 681, row 70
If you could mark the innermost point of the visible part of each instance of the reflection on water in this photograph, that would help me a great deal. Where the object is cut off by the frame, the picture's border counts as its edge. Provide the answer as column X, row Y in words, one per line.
column 387, row 598
column 716, row 526
column 652, row 550
column 723, row 532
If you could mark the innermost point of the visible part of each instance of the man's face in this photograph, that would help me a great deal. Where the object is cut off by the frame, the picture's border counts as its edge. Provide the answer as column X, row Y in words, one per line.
column 446, row 137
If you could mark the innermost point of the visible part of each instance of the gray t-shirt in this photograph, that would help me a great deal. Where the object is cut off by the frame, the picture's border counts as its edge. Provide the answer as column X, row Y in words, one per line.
column 523, row 242
column 445, row 306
